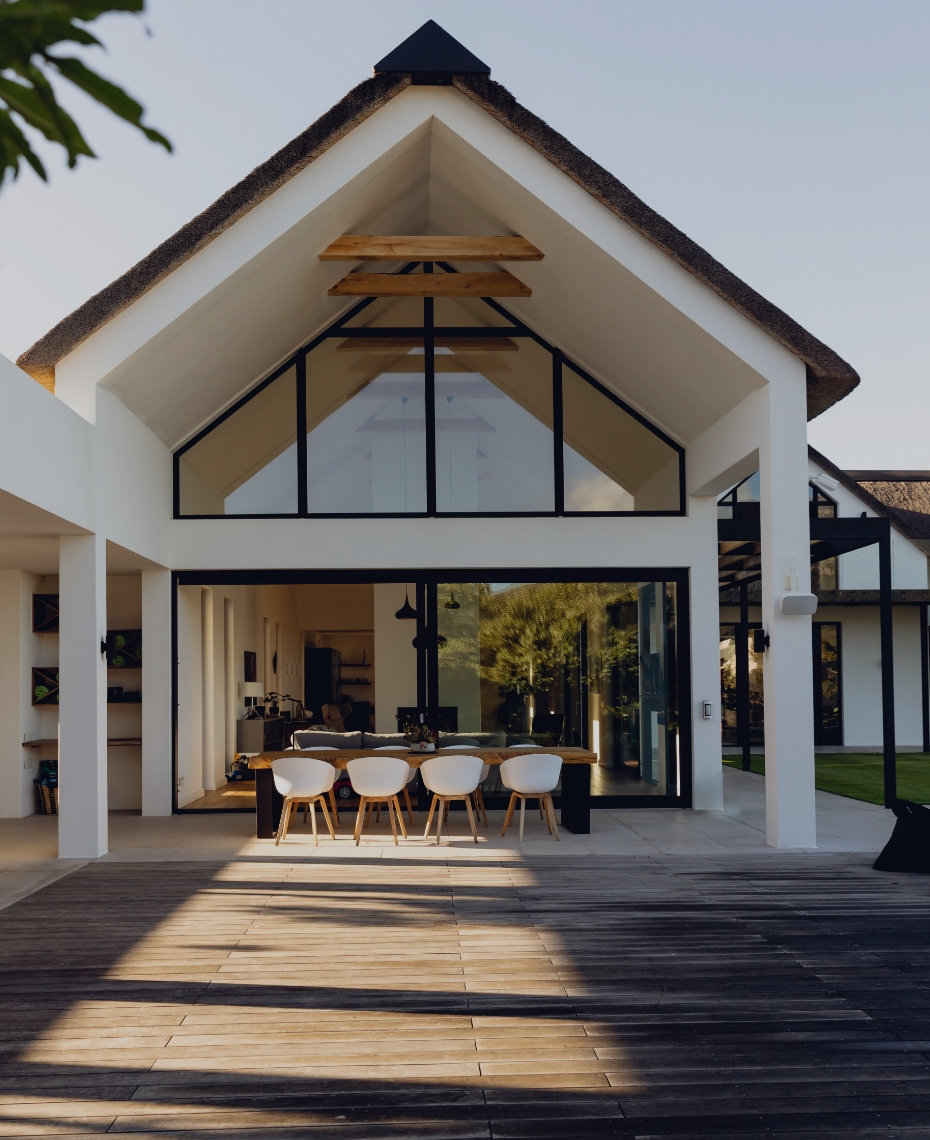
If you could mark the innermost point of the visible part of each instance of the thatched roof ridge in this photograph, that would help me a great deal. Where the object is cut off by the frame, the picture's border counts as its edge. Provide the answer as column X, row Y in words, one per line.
column 829, row 377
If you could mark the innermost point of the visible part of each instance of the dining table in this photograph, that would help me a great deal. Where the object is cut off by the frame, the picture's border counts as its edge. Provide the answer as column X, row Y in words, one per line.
column 574, row 797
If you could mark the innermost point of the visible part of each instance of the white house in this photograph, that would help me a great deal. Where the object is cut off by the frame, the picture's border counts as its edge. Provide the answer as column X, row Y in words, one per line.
column 252, row 453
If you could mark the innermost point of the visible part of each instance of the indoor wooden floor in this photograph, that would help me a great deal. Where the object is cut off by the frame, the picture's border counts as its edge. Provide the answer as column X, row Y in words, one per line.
column 784, row 996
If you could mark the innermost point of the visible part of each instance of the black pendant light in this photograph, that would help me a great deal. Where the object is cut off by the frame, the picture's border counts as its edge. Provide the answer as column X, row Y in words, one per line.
column 406, row 610
column 452, row 604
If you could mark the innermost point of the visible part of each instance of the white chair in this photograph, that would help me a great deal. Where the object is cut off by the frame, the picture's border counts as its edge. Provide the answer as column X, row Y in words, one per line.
column 451, row 778
column 303, row 780
column 479, row 795
column 531, row 777
column 412, row 775
column 332, row 794
column 378, row 779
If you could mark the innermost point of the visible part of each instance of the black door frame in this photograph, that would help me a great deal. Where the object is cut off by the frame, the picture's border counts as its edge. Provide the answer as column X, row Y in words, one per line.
column 427, row 582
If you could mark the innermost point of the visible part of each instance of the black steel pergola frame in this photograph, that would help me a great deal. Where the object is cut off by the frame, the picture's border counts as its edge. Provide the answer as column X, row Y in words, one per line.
column 830, row 538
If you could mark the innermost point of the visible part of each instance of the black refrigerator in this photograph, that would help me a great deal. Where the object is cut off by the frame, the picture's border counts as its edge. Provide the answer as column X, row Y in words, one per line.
column 321, row 681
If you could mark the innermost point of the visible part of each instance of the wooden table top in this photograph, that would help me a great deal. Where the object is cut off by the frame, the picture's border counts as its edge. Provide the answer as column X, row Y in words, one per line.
column 339, row 757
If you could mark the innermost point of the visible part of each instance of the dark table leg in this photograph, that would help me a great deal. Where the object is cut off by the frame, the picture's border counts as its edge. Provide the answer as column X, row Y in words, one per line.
column 576, row 798
column 268, row 804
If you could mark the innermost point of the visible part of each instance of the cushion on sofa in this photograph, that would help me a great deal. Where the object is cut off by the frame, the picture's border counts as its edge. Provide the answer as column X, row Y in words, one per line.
column 383, row 739
column 314, row 739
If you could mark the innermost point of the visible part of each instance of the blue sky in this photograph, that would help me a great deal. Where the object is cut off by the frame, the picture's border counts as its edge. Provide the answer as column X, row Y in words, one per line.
column 789, row 138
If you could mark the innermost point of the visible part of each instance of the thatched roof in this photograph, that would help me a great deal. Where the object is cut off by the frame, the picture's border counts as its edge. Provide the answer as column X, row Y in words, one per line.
column 904, row 498
column 829, row 377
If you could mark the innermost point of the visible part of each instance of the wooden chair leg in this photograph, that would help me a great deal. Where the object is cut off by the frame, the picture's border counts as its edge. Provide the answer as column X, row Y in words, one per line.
column 360, row 820
column 286, row 810
column 540, row 803
column 429, row 818
column 409, row 805
column 555, row 826
column 311, row 807
column 522, row 815
column 471, row 818
column 334, row 806
column 509, row 816
column 400, row 815
column 378, row 816
column 329, row 822
column 479, row 804
column 544, row 803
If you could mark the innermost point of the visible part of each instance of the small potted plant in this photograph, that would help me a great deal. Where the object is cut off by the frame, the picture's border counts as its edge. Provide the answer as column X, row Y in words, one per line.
column 420, row 737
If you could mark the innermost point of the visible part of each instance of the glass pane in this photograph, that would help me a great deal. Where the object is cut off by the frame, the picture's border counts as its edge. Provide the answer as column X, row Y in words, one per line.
column 388, row 312
column 494, row 426
column 366, row 427
column 568, row 663
column 612, row 462
column 728, row 704
column 464, row 312
column 248, row 463
column 828, row 713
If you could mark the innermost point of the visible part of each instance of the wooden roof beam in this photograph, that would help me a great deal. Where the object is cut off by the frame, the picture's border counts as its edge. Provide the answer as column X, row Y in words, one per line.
column 430, row 285
column 367, row 247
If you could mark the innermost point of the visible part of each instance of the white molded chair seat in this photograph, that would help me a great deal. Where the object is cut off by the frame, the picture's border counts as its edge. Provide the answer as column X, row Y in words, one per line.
column 378, row 779
column 531, row 777
column 451, row 778
column 302, row 780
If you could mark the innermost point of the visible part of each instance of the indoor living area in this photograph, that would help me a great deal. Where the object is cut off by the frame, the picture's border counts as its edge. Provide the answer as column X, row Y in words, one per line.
column 556, row 660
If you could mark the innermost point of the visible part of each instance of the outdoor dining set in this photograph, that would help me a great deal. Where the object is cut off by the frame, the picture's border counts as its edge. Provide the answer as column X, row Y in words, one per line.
column 378, row 781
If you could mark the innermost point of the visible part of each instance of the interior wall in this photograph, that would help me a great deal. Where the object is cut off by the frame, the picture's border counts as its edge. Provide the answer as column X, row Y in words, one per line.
column 190, row 725
column 396, row 660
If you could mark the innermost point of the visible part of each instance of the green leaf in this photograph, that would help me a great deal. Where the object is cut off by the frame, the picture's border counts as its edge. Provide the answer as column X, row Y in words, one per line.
column 13, row 146
column 107, row 93
column 29, row 29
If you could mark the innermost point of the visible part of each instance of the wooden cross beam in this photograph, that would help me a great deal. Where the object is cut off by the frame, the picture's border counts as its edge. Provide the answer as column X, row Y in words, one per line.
column 367, row 247
column 430, row 285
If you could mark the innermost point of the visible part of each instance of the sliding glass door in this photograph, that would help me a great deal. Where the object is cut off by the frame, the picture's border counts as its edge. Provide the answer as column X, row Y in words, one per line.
column 574, row 664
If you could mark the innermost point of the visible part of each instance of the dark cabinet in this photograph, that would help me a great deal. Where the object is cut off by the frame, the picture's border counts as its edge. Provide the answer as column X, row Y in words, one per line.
column 269, row 735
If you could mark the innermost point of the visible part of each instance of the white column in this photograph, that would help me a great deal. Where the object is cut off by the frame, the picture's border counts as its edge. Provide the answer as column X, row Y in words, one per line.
column 207, row 688
column 267, row 678
column 156, row 692
column 785, row 530
column 82, row 776
column 705, row 661
column 229, row 676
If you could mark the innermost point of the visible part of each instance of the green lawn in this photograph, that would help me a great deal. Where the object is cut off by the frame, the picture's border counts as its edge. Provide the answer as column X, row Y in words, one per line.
column 859, row 774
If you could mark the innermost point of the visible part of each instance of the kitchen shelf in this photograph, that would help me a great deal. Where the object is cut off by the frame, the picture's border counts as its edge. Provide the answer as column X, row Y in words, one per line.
column 114, row 742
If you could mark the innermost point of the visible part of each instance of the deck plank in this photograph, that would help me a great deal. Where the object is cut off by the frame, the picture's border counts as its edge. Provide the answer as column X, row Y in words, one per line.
column 769, row 995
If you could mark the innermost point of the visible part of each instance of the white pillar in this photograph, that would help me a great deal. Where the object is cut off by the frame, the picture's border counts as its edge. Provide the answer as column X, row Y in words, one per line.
column 82, row 776
column 156, row 693
column 785, row 530
column 207, row 688
column 229, row 676
column 705, row 661
column 267, row 679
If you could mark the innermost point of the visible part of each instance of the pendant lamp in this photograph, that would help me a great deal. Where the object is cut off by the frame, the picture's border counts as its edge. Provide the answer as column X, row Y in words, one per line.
column 452, row 604
column 406, row 610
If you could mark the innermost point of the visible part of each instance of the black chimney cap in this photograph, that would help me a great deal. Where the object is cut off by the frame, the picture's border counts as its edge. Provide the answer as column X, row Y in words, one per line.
column 432, row 57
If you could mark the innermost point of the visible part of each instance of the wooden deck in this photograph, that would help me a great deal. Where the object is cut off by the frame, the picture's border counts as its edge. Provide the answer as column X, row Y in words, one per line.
column 784, row 996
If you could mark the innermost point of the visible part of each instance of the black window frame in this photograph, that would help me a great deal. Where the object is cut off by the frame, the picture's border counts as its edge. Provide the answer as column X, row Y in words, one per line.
column 428, row 332
column 426, row 582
